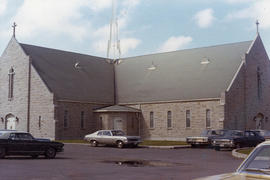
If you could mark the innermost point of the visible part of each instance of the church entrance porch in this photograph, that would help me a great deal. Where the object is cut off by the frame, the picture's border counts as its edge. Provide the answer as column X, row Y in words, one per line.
column 11, row 122
column 118, row 118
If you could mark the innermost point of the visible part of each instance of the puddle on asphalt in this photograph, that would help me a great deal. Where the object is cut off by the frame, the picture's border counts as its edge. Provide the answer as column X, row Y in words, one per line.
column 144, row 163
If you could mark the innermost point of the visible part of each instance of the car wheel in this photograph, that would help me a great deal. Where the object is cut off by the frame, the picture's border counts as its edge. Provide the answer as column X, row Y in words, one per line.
column 217, row 148
column 94, row 143
column 34, row 156
column 50, row 153
column 120, row 144
column 2, row 153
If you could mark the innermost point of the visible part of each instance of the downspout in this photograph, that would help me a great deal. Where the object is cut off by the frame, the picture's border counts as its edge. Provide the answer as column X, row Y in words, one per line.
column 245, row 91
column 29, row 94
column 114, row 85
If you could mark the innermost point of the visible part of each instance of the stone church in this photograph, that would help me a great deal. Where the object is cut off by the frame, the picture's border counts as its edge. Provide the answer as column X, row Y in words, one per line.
column 167, row 96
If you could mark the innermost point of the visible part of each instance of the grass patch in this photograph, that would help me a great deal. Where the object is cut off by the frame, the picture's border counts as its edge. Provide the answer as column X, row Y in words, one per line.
column 162, row 143
column 245, row 151
column 73, row 141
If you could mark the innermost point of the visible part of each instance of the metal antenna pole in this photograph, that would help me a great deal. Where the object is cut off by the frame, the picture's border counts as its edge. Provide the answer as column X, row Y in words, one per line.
column 113, row 49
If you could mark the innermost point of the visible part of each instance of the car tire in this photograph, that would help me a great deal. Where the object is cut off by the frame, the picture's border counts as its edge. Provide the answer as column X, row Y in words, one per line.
column 2, row 153
column 120, row 144
column 50, row 153
column 34, row 156
column 94, row 143
column 217, row 148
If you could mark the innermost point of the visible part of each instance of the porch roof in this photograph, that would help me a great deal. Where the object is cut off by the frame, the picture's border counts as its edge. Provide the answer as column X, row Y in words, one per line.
column 117, row 108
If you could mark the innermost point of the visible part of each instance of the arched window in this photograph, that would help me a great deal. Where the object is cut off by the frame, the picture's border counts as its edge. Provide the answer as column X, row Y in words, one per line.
column 259, row 83
column 10, row 83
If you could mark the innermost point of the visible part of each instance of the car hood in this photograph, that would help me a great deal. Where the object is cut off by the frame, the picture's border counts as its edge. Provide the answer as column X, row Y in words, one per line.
column 43, row 139
column 235, row 176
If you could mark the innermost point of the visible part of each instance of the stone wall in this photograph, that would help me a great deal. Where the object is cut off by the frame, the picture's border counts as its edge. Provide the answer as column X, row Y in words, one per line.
column 73, row 129
column 235, row 103
column 15, row 57
column 179, row 131
column 42, row 121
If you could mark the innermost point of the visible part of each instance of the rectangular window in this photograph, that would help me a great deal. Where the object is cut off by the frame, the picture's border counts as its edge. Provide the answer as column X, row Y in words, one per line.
column 39, row 122
column 82, row 120
column 151, row 119
column 187, row 118
column 208, row 122
column 65, row 119
column 169, row 119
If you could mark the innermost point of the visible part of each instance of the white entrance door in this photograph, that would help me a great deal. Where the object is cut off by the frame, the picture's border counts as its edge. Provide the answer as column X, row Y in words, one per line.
column 11, row 123
column 118, row 123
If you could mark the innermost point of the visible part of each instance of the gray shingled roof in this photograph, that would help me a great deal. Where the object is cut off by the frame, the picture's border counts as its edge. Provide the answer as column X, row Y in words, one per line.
column 179, row 75
column 117, row 108
column 93, row 82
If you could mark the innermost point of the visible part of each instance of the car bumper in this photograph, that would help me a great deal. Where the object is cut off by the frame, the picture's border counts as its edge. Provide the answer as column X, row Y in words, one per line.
column 198, row 142
column 60, row 150
column 224, row 145
column 132, row 142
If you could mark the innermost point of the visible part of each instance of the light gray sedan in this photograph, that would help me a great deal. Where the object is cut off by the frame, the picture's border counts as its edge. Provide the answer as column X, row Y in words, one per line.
column 112, row 137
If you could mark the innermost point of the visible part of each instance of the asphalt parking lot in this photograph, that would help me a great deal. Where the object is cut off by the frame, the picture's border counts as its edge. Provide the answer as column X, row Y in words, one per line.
column 108, row 163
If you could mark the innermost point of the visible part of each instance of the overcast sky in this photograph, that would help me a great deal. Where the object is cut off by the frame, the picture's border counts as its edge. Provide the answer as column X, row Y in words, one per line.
column 146, row 26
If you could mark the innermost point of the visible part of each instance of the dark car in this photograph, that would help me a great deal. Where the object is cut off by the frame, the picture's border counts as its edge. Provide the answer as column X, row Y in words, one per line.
column 237, row 139
column 23, row 143
column 264, row 133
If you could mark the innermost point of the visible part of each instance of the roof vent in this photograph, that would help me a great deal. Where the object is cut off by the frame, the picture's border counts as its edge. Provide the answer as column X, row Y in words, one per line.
column 205, row 61
column 152, row 67
column 77, row 65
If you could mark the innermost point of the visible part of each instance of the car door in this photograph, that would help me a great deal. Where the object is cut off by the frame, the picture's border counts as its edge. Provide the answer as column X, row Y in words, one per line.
column 251, row 139
column 30, row 144
column 15, row 145
column 107, row 137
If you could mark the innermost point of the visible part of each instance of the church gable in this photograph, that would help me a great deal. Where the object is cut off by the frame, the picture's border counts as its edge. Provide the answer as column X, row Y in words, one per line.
column 14, row 75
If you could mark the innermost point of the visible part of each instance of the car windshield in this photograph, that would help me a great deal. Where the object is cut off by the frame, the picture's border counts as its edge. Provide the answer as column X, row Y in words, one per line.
column 264, row 133
column 118, row 133
column 213, row 132
column 258, row 162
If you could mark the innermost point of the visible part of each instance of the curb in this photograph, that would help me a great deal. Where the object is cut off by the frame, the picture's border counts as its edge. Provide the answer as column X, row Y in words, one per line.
column 239, row 155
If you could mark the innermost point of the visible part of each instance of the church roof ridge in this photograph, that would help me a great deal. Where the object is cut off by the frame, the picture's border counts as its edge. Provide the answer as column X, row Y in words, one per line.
column 60, row 50
column 187, row 49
